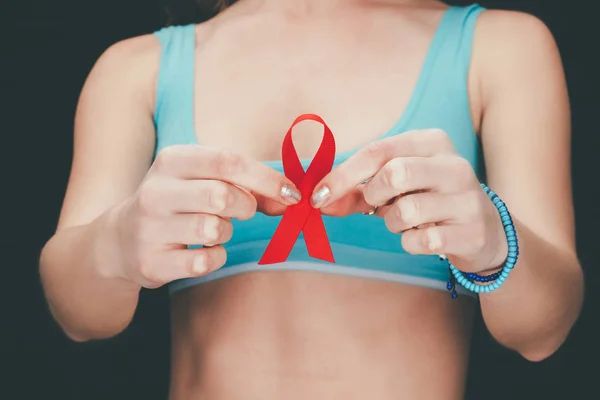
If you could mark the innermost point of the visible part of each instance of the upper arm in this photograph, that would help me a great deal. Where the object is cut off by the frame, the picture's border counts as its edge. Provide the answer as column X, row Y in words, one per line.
column 114, row 131
column 526, row 122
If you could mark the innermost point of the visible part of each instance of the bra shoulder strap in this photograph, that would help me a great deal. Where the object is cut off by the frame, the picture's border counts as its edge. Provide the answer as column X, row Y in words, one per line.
column 174, row 107
column 445, row 95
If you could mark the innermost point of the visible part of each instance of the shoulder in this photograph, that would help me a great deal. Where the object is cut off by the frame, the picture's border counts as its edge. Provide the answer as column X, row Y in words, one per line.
column 511, row 45
column 518, row 33
column 128, row 67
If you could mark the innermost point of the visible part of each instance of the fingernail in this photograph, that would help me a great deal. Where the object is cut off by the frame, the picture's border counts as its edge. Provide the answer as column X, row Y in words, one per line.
column 199, row 264
column 212, row 229
column 290, row 194
column 435, row 241
column 320, row 198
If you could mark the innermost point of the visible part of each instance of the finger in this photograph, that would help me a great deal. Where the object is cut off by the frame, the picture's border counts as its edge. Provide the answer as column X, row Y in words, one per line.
column 269, row 207
column 184, row 263
column 457, row 240
column 189, row 229
column 202, row 196
column 366, row 162
column 423, row 208
column 352, row 203
column 409, row 174
column 200, row 162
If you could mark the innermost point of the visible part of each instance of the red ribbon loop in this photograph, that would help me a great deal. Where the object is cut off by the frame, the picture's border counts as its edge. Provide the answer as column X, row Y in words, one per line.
column 303, row 217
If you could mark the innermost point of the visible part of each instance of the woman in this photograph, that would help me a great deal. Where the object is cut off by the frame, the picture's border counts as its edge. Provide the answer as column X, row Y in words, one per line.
column 177, row 142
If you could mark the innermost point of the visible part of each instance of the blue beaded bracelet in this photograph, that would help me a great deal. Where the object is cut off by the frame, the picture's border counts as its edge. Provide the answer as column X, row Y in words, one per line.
column 468, row 280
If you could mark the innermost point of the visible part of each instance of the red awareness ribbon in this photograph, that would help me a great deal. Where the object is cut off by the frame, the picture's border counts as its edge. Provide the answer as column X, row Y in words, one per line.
column 303, row 217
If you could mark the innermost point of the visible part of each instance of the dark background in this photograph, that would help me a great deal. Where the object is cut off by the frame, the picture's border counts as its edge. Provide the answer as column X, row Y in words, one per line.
column 46, row 53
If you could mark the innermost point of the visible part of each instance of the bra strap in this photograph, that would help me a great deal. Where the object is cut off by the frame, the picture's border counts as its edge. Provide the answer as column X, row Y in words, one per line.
column 174, row 107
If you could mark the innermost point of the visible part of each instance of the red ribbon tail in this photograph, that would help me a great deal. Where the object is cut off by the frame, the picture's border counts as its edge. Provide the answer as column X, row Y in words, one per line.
column 315, row 237
column 285, row 236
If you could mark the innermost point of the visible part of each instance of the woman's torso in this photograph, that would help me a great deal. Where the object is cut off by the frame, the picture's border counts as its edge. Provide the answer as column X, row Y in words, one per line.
column 302, row 334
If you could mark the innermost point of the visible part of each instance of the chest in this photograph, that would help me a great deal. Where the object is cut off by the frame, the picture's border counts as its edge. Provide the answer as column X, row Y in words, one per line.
column 253, row 78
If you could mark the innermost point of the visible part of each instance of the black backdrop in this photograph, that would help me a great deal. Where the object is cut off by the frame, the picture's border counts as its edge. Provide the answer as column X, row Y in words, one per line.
column 47, row 50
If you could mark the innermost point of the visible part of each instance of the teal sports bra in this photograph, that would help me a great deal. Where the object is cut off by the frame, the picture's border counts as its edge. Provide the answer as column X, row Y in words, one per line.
column 362, row 245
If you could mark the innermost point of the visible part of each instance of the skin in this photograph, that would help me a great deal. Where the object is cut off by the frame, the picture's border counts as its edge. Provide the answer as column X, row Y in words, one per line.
column 125, row 217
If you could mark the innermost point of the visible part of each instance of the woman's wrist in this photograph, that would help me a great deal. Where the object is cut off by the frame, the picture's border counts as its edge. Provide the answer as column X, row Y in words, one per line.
column 107, row 261
column 485, row 283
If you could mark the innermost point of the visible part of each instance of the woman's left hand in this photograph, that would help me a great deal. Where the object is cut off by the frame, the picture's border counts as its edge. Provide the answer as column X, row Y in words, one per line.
column 423, row 189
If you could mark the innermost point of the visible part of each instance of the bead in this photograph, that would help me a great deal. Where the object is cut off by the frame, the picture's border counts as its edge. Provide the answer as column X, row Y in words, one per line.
column 449, row 285
column 488, row 283
column 454, row 295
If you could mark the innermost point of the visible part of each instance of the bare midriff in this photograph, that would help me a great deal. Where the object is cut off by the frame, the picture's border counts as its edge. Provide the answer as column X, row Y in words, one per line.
column 306, row 335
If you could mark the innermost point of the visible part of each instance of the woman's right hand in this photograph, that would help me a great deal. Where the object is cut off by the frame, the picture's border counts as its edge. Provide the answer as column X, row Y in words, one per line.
column 188, row 197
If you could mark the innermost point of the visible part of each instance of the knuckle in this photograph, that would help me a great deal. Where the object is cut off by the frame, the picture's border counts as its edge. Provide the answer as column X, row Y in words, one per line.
column 210, row 229
column 437, row 135
column 463, row 171
column 147, row 198
column 227, row 163
column 376, row 150
column 432, row 240
column 442, row 139
column 220, row 197
column 387, row 175
column 409, row 211
column 166, row 156
column 473, row 205
column 396, row 174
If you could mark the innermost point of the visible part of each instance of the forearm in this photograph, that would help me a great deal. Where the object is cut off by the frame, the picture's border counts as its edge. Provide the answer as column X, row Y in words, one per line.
column 538, row 304
column 86, row 301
